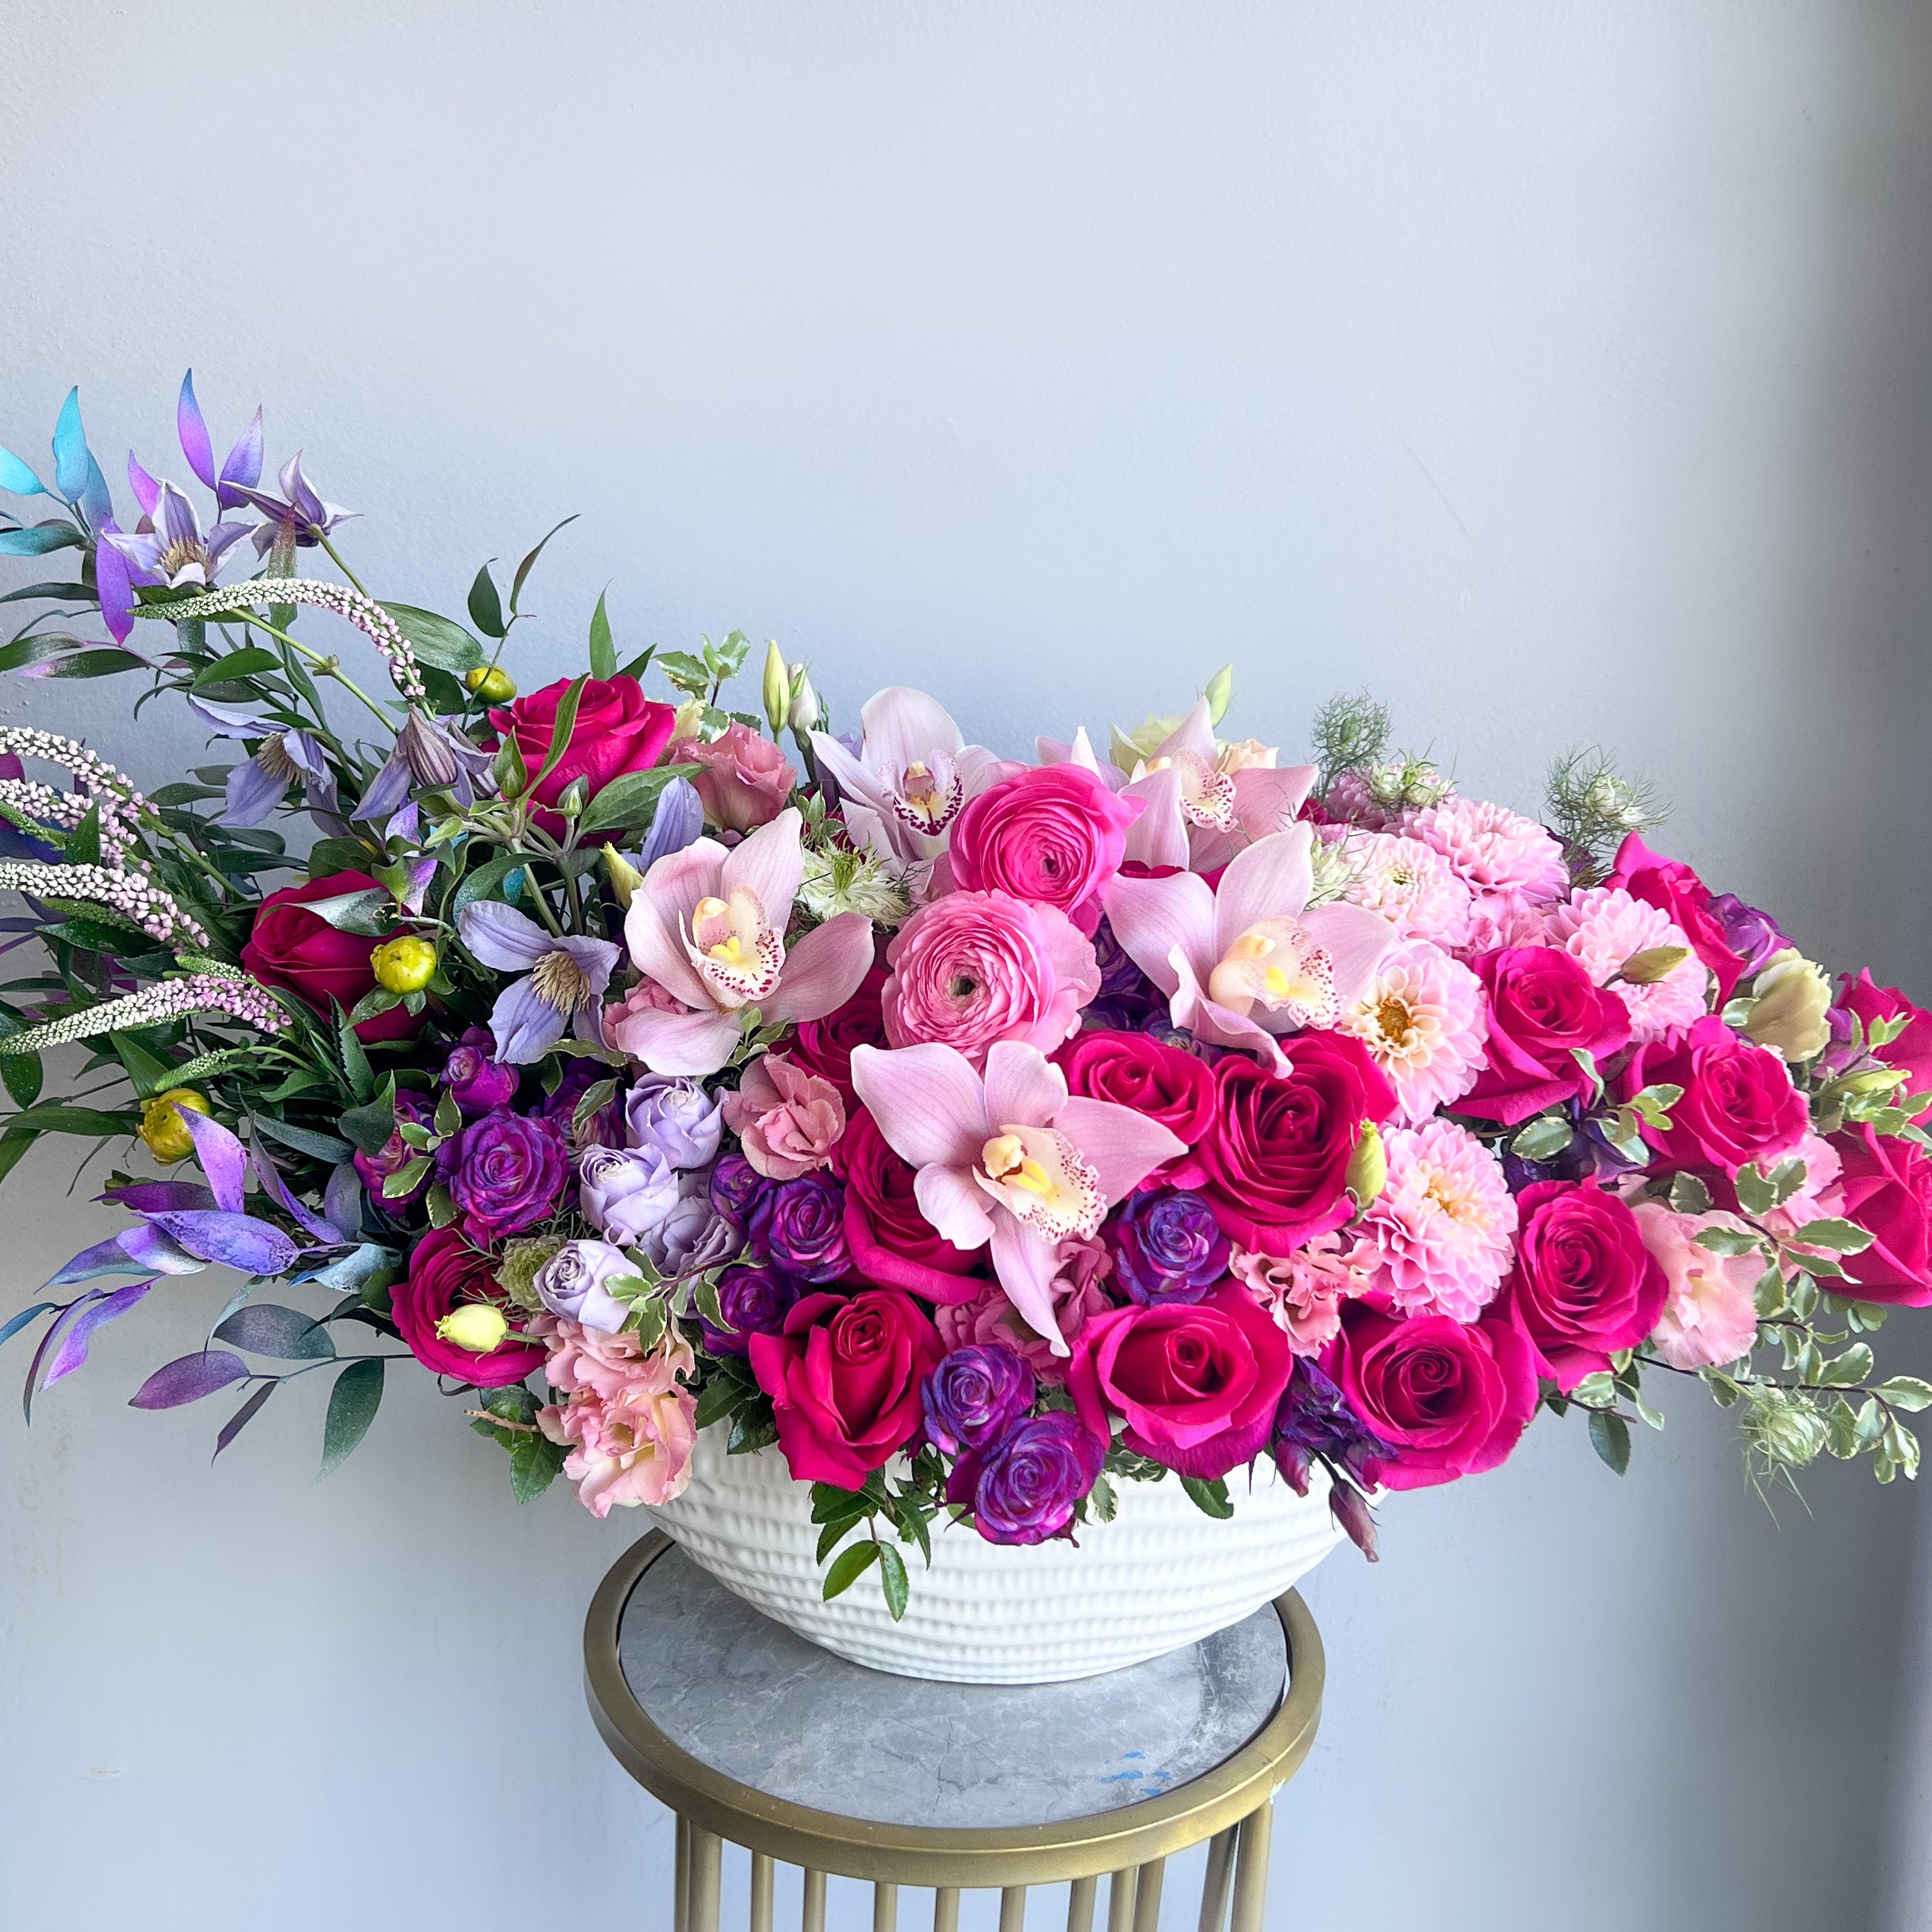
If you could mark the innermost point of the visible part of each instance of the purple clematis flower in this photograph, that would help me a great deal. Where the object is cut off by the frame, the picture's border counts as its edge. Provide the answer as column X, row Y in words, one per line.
column 281, row 758
column 431, row 754
column 298, row 516
column 566, row 979
column 169, row 546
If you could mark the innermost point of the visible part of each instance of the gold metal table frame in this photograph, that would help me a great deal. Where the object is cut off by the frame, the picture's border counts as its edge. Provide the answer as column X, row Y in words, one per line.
column 1231, row 1806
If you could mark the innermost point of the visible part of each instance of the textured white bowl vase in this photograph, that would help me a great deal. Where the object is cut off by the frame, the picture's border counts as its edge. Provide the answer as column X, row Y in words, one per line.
column 1161, row 1575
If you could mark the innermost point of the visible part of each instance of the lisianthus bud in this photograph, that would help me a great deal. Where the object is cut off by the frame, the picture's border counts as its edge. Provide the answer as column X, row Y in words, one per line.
column 805, row 701
column 687, row 718
column 1652, row 964
column 1788, row 1013
column 1368, row 1167
column 475, row 1326
column 624, row 877
column 162, row 1129
column 405, row 964
column 778, row 692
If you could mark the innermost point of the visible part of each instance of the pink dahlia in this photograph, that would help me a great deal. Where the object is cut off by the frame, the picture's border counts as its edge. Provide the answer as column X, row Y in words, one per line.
column 1424, row 1020
column 629, row 1420
column 1411, row 885
column 1604, row 927
column 1304, row 1292
column 1497, row 853
column 1442, row 1222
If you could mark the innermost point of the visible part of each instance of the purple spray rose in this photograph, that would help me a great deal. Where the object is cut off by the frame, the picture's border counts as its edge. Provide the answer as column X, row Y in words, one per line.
column 503, row 1172
column 1167, row 1246
column 677, row 1117
column 574, row 1284
column 625, row 1192
column 1752, row 935
column 736, row 1187
column 974, row 1395
column 1025, row 1487
column 397, row 1154
column 756, row 1302
column 800, row 1225
column 476, row 1078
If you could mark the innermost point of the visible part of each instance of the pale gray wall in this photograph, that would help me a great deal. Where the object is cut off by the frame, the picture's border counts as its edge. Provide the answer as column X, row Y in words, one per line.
column 1555, row 369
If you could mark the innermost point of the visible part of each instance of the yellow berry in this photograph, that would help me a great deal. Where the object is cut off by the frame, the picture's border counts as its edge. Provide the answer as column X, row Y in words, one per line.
column 492, row 683
column 164, row 1131
column 475, row 1327
column 404, row 966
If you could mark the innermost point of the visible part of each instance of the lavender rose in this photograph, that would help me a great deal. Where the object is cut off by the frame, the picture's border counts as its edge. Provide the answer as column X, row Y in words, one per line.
column 503, row 1172
column 1024, row 1488
column 625, row 1192
column 975, row 1395
column 675, row 1116
column 476, row 1079
column 693, row 1236
column 574, row 1282
column 755, row 1301
column 1167, row 1246
column 800, row 1225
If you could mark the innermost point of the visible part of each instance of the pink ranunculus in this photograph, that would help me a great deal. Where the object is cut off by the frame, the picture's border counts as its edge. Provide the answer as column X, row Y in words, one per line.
column 1198, row 1385
column 1710, row 1309
column 1585, row 1285
column 1544, row 1008
column 1303, row 1293
column 843, row 1376
column 1885, row 1183
column 1077, row 1292
column 973, row 968
column 628, row 1420
column 787, row 1120
column 1674, row 888
column 1912, row 1049
column 745, row 778
column 1055, row 834
column 1737, row 1104
column 1450, row 1398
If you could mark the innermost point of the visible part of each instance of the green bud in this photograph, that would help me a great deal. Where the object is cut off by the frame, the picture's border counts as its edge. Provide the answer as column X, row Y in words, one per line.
column 1221, row 689
column 1652, row 963
column 624, row 877
column 777, row 688
column 1368, row 1167
column 805, row 701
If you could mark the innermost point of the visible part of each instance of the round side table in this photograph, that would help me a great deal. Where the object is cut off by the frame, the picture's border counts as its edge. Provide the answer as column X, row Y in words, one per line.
column 750, row 1734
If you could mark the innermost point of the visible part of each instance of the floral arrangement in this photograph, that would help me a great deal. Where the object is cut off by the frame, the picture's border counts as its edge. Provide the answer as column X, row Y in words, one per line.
column 982, row 1133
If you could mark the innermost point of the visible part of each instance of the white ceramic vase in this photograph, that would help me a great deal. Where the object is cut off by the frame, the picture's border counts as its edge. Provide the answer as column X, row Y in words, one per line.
column 1161, row 1575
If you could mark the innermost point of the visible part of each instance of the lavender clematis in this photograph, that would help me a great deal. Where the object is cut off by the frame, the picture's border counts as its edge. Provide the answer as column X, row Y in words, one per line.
column 280, row 759
column 565, row 979
column 1008, row 1160
column 173, row 550
column 298, row 516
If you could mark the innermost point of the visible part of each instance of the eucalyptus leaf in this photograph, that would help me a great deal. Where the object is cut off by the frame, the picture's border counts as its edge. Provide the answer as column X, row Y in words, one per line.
column 353, row 1403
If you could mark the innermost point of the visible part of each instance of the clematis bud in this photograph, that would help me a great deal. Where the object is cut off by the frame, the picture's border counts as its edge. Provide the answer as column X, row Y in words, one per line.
column 477, row 1327
column 1368, row 1167
column 1787, row 1013
column 777, row 691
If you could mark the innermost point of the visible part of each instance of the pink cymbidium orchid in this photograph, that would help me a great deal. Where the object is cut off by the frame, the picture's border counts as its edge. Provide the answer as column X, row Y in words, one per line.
column 913, row 773
column 706, row 927
column 1249, row 959
column 1008, row 1159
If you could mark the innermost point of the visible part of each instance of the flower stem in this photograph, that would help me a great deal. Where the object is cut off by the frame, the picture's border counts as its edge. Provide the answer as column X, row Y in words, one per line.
column 335, row 557
column 329, row 667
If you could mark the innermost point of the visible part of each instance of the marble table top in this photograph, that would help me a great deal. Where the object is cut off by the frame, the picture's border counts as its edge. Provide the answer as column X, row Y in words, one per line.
column 758, row 1702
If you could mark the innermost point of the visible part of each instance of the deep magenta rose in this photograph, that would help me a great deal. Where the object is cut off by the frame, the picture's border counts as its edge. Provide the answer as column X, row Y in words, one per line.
column 1450, row 1398
column 1912, row 1050
column 1053, row 833
column 824, row 1047
column 1585, row 1285
column 1738, row 1105
column 1544, row 1008
column 303, row 952
column 1197, row 1385
column 890, row 1241
column 1888, row 1191
column 1673, row 887
column 445, row 1272
column 844, row 1377
column 617, row 730
column 1164, row 1083
column 1275, row 1159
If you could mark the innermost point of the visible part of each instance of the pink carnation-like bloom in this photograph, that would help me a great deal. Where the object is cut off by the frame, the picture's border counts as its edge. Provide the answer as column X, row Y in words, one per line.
column 1711, row 1315
column 1411, row 885
column 743, row 779
column 1078, row 1295
column 1424, row 1020
column 1512, row 866
column 1603, row 926
column 1304, row 1292
column 630, row 1423
column 1820, row 1194
column 789, row 1120
column 973, row 968
column 1442, row 1224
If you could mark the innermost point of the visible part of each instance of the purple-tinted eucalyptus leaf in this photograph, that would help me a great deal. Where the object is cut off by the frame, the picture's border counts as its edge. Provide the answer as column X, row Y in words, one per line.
column 236, row 1241
column 115, row 584
column 51, row 1340
column 406, row 824
column 154, row 1248
column 15, row 1323
column 242, row 1416
column 220, row 1157
column 526, row 1026
column 188, row 1379
column 159, row 1197
column 72, row 1350
column 279, row 1191
column 420, row 874
column 244, row 465
column 193, row 430
column 503, row 938
column 679, row 817
column 268, row 1328
column 70, row 449
column 107, row 1257
column 342, row 1201
column 147, row 491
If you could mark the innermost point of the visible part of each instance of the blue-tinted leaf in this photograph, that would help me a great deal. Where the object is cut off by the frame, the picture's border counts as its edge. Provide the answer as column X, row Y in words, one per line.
column 106, row 1257
column 188, row 1379
column 304, row 1140
column 96, row 505
column 14, row 1327
column 17, row 479
column 236, row 1241
column 70, row 448
column 266, row 1328
column 242, row 1416
column 37, row 540
column 348, row 1275
column 72, row 1350
column 352, row 1407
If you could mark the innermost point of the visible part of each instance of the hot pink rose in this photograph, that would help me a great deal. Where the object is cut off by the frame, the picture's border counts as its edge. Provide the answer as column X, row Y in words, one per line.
column 1673, row 887
column 1198, row 1386
column 1912, row 1050
column 1078, row 1295
column 824, row 1047
column 1543, row 1007
column 1054, row 834
column 787, row 1120
column 1450, row 1398
column 617, row 730
column 445, row 1272
column 1163, row 1082
column 892, row 1242
column 746, row 778
column 1887, row 1186
column 843, row 1376
column 1710, row 1309
column 1585, row 1285
column 1738, row 1105
column 976, row 967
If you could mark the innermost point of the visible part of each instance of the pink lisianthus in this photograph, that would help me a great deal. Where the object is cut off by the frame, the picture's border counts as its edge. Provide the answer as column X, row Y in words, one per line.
column 1820, row 1195
column 1710, row 1315
column 1441, row 1226
column 1423, row 1019
column 1078, row 1291
column 1054, row 834
column 974, row 968
column 628, row 1421
column 1605, row 928
column 788, row 1121
column 1304, row 1292
column 745, row 778
column 1411, row 885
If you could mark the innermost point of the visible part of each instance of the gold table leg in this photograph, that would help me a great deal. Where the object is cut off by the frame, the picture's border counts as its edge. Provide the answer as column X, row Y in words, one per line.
column 1012, row 1909
column 1120, row 1900
column 707, row 1864
column 812, row 1915
column 1147, row 1896
column 680, row 1909
column 1251, row 1869
column 946, row 1909
column 761, row 1893
column 1080, row 1905
column 1215, row 1883
column 885, row 1907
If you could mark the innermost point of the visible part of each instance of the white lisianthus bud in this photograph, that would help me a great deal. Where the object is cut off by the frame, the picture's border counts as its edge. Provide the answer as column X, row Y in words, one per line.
column 805, row 701
column 777, row 687
column 475, row 1327
column 1791, row 997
